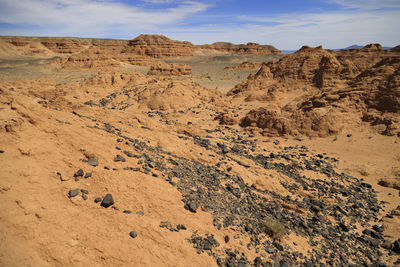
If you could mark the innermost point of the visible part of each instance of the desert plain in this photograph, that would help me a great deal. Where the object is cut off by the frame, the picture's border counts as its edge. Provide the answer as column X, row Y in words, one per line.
column 156, row 152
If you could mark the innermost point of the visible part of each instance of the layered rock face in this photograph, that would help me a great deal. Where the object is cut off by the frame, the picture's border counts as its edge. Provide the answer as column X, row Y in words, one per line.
column 92, row 57
column 165, row 69
column 330, row 92
column 247, row 65
column 249, row 48
column 64, row 46
column 158, row 46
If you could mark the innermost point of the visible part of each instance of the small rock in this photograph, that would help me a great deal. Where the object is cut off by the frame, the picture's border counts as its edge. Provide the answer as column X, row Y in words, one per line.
column 88, row 174
column 192, row 206
column 226, row 238
column 119, row 158
column 127, row 211
column 133, row 234
column 344, row 227
column 1, row 151
column 73, row 192
column 140, row 213
column 181, row 227
column 97, row 199
column 93, row 162
column 84, row 191
column 84, row 197
column 277, row 245
column 270, row 250
column 107, row 201
column 396, row 246
column 79, row 173
column 386, row 244
column 349, row 135
column 115, row 207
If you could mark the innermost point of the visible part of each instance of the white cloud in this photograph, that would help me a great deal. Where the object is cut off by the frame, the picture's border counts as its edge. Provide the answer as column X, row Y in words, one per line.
column 91, row 17
column 291, row 31
column 367, row 4
column 356, row 22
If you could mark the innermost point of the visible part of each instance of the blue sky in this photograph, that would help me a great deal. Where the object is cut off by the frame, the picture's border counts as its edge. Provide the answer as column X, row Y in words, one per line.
column 286, row 24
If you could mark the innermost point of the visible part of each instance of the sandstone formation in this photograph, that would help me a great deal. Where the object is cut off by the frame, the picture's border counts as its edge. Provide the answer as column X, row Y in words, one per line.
column 90, row 58
column 249, row 48
column 247, row 65
column 158, row 46
column 165, row 69
column 329, row 90
column 104, row 165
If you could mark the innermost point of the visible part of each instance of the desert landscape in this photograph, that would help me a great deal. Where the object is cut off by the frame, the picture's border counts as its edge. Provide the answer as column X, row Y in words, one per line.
column 159, row 152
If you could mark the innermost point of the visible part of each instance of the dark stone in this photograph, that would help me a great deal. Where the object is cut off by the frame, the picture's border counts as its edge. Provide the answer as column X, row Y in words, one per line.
column 378, row 228
column 107, row 201
column 73, row 192
column 386, row 244
column 270, row 250
column 129, row 154
column 79, row 173
column 97, row 199
column 1, row 151
column 226, row 238
column 396, row 246
column 84, row 197
column 93, row 162
column 119, row 158
column 115, row 207
column 349, row 135
column 88, row 174
column 344, row 227
column 127, row 211
column 192, row 206
column 133, row 234
column 277, row 245
column 140, row 213
column 84, row 191
column 181, row 227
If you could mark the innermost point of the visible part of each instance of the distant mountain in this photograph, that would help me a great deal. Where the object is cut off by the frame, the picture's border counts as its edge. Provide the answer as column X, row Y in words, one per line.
column 288, row 51
column 355, row 46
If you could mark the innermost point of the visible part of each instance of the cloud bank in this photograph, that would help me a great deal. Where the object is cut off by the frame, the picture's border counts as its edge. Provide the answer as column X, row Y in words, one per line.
column 349, row 22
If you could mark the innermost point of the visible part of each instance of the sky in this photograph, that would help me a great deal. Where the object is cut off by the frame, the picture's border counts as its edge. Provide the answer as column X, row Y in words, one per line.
column 285, row 24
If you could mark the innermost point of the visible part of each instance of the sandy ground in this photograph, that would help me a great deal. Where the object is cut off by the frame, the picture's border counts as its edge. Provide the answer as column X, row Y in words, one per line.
column 44, row 143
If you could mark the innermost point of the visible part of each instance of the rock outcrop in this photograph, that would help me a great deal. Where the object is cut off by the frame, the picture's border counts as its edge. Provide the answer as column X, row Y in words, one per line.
column 249, row 48
column 329, row 91
column 247, row 65
column 165, row 69
column 158, row 46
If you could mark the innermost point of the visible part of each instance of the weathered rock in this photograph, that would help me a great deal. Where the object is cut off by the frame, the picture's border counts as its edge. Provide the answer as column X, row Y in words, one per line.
column 119, row 158
column 107, row 201
column 73, row 192
column 133, row 234
column 93, row 162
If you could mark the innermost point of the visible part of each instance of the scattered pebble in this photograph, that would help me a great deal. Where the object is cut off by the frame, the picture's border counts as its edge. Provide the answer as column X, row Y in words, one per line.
column 107, row 201
column 73, row 192
column 79, row 173
column 133, row 234
column 119, row 158
column 93, row 162
column 140, row 213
